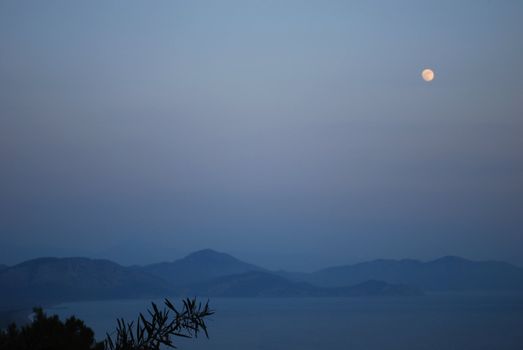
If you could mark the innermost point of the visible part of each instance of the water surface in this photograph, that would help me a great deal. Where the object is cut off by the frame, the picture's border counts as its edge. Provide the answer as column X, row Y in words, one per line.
column 432, row 322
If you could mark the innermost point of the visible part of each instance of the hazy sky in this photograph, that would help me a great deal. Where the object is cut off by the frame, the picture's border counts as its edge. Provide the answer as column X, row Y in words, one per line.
column 293, row 134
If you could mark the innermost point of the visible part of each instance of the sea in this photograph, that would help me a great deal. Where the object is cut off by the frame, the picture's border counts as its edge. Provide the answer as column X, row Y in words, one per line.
column 430, row 322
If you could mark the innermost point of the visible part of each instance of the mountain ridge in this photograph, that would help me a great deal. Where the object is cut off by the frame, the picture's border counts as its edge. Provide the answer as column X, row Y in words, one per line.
column 199, row 266
column 49, row 279
column 445, row 273
column 266, row 284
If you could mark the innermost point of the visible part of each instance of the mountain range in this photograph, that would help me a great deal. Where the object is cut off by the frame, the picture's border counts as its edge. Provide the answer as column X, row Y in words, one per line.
column 449, row 273
column 200, row 266
column 213, row 274
column 47, row 280
column 266, row 284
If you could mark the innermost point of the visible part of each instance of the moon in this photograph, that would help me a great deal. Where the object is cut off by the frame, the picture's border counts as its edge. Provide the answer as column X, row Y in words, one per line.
column 428, row 75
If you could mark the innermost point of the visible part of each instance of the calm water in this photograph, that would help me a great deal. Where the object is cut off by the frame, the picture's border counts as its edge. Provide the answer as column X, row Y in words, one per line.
column 430, row 322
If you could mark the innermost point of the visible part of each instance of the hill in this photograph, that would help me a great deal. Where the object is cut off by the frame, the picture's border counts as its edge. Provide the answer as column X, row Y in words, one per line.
column 200, row 266
column 46, row 280
column 207, row 272
column 444, row 274
column 264, row 284
column 210, row 273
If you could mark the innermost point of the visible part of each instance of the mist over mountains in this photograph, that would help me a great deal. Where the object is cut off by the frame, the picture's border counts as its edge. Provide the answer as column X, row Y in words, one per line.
column 448, row 273
column 213, row 274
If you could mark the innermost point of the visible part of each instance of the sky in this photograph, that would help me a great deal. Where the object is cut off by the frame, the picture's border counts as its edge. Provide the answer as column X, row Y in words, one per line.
column 291, row 134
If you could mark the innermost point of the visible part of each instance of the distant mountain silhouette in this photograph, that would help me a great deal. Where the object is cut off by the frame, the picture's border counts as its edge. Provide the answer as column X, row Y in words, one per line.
column 444, row 274
column 65, row 279
column 264, row 284
column 210, row 273
column 3, row 267
column 200, row 266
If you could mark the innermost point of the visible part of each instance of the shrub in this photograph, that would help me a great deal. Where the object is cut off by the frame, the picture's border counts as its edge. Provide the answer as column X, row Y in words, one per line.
column 146, row 333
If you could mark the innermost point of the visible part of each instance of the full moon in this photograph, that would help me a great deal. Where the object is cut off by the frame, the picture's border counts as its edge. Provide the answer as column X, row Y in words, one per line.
column 427, row 75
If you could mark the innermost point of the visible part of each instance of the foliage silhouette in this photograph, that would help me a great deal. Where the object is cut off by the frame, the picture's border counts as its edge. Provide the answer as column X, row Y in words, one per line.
column 158, row 330
column 146, row 333
column 49, row 333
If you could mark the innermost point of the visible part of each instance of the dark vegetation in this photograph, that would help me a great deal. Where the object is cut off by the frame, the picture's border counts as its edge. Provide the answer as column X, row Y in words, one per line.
column 151, row 332
column 207, row 273
column 49, row 333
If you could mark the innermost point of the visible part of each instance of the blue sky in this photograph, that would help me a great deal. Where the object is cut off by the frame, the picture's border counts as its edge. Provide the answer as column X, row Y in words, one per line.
column 293, row 134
